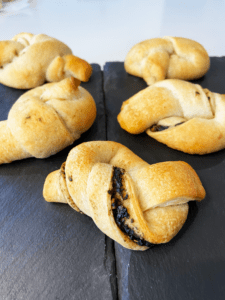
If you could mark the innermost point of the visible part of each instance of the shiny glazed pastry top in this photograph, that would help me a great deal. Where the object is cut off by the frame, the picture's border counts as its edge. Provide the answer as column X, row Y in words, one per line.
column 45, row 120
column 168, row 57
column 27, row 61
column 134, row 203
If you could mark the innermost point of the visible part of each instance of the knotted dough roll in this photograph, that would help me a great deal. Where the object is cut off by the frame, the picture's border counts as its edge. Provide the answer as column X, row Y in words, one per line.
column 134, row 203
column 27, row 61
column 182, row 115
column 167, row 57
column 45, row 120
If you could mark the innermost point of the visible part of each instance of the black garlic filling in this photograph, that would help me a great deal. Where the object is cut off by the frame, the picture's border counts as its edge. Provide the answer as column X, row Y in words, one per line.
column 118, row 195
column 155, row 127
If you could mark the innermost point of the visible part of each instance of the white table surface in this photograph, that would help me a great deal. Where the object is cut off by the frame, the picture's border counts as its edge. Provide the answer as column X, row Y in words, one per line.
column 103, row 30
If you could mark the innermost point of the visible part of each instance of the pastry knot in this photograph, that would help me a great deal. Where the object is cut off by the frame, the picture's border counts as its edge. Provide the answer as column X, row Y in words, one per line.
column 27, row 61
column 134, row 203
column 45, row 120
column 182, row 115
column 168, row 57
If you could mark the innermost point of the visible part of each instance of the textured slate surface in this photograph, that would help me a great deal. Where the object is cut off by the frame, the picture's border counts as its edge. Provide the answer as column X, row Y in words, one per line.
column 192, row 265
column 49, row 251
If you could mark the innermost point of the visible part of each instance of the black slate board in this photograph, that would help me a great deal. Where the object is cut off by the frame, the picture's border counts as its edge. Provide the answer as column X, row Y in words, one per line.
column 192, row 265
column 49, row 251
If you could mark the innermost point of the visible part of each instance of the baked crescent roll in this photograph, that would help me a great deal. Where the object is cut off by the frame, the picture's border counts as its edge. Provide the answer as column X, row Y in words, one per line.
column 27, row 61
column 45, row 120
column 134, row 203
column 182, row 115
column 167, row 57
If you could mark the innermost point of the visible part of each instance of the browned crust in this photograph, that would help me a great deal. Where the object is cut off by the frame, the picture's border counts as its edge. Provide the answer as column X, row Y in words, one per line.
column 45, row 120
column 203, row 130
column 157, row 194
column 168, row 57
column 28, row 60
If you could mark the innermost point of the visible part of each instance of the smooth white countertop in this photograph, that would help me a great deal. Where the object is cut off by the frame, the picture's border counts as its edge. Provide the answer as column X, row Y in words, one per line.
column 103, row 30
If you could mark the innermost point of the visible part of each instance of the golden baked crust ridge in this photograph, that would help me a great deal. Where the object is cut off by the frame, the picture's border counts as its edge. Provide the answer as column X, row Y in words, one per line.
column 168, row 57
column 154, row 196
column 27, row 61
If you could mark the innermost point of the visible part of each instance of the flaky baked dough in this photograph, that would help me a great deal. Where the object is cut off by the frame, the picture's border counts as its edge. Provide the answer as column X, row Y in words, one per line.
column 27, row 61
column 195, row 116
column 168, row 57
column 157, row 195
column 45, row 120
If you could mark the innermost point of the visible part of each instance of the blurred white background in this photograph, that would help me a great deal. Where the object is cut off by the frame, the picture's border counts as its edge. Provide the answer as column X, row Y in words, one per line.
column 105, row 30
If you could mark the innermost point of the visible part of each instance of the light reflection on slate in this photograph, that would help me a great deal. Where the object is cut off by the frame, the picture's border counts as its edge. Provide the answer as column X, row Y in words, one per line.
column 192, row 265
column 49, row 251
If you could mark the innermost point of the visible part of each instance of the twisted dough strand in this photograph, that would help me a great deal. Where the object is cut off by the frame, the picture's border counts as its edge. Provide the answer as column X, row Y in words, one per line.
column 27, row 61
column 45, row 120
column 105, row 180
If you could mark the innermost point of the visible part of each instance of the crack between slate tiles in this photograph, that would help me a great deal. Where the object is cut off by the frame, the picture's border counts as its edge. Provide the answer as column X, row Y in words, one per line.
column 111, row 268
column 108, row 242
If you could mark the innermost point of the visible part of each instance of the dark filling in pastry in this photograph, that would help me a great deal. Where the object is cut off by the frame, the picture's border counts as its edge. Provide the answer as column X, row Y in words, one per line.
column 155, row 127
column 118, row 195
column 63, row 173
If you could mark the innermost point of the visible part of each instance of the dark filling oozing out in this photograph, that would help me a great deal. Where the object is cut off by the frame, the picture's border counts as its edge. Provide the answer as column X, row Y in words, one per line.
column 118, row 195
column 155, row 127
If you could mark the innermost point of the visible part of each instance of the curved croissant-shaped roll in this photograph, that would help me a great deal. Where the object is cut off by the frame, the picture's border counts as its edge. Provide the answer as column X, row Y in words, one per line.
column 27, row 61
column 132, row 202
column 45, row 120
column 182, row 115
column 167, row 57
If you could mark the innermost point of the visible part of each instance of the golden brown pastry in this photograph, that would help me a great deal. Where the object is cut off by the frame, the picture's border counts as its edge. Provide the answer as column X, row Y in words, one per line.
column 27, row 61
column 167, row 57
column 132, row 202
column 45, row 120
column 182, row 115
